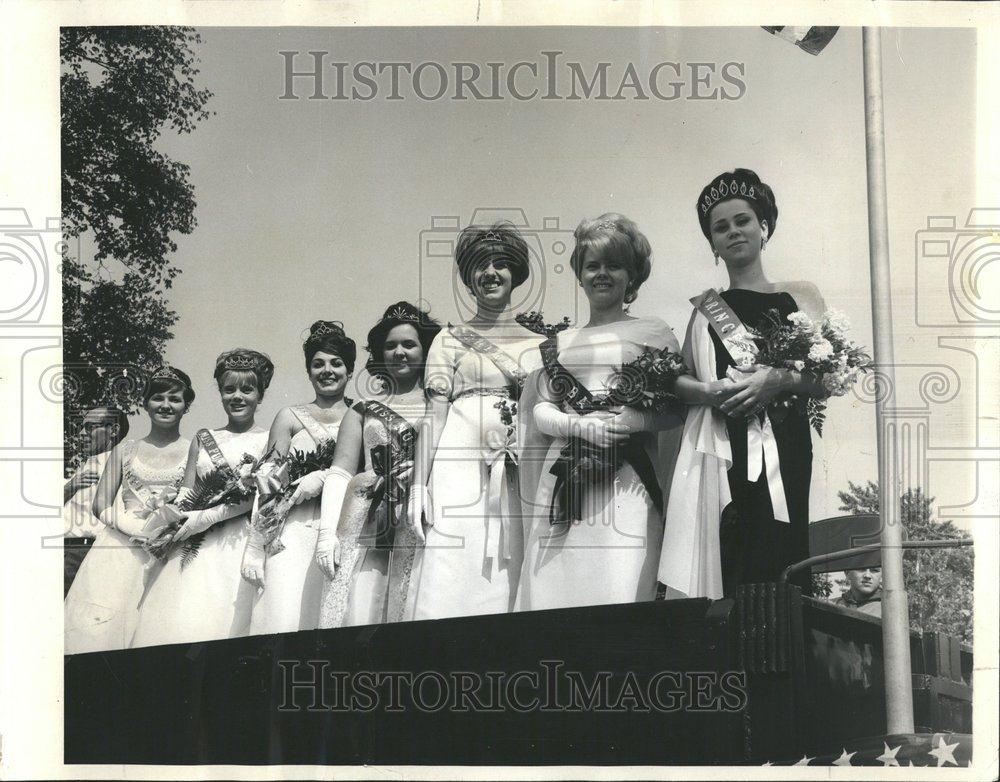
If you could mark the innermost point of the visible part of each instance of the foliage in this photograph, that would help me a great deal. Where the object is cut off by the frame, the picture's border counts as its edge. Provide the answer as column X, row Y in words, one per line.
column 120, row 87
column 939, row 582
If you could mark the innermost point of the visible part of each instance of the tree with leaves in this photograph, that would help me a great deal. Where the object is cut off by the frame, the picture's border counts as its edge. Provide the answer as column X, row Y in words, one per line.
column 120, row 88
column 938, row 581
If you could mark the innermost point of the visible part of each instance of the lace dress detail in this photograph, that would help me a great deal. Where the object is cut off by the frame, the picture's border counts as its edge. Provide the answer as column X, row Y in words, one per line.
column 371, row 583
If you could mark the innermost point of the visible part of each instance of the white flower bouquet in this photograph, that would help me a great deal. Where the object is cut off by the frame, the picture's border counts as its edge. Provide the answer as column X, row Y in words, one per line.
column 821, row 348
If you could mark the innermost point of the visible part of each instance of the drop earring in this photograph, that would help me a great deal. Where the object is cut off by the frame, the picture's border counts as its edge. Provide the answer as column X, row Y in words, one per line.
column 763, row 244
column 716, row 258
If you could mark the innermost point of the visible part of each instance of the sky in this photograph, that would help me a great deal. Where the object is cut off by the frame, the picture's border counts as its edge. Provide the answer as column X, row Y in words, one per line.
column 331, row 208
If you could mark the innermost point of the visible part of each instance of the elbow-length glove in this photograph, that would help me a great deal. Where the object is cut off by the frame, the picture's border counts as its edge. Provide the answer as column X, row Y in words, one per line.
column 327, row 544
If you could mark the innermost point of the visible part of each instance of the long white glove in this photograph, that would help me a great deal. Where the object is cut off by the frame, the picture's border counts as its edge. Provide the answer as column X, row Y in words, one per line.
column 592, row 427
column 254, row 553
column 309, row 486
column 201, row 520
column 254, row 556
column 327, row 544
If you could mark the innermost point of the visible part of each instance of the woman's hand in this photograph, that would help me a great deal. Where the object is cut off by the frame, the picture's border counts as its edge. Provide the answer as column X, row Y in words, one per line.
column 628, row 421
column 252, row 566
column 756, row 389
column 308, row 487
column 594, row 428
column 328, row 552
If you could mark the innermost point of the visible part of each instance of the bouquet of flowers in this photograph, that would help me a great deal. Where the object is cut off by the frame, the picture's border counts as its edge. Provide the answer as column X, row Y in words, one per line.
column 274, row 509
column 534, row 322
column 647, row 381
column 216, row 487
column 821, row 348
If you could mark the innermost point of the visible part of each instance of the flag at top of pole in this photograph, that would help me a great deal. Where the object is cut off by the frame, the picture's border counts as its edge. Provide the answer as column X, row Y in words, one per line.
column 808, row 39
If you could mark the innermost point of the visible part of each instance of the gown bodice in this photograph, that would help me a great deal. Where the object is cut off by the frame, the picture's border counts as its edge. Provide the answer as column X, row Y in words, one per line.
column 593, row 354
column 146, row 467
column 455, row 369
column 234, row 445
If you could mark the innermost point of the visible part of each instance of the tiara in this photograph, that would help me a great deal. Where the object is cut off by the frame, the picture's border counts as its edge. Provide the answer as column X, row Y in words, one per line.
column 167, row 373
column 401, row 313
column 327, row 327
column 722, row 190
column 239, row 361
column 606, row 225
column 493, row 236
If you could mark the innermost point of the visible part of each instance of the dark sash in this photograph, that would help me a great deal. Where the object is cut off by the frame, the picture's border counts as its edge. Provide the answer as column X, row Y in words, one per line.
column 477, row 342
column 581, row 463
column 390, row 494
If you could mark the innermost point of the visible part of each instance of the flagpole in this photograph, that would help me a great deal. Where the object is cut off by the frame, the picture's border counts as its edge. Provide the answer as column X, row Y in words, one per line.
column 895, row 612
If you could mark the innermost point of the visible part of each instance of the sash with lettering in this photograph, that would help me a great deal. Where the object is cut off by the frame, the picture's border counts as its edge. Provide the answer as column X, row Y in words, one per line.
column 477, row 342
column 581, row 463
column 762, row 448
column 390, row 494
column 391, row 464
column 503, row 460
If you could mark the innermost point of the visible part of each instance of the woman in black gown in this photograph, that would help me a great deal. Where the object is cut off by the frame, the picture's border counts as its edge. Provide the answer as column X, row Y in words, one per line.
column 762, row 525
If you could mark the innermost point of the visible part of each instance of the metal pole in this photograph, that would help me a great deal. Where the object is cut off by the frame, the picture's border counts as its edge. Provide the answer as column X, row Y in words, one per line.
column 895, row 614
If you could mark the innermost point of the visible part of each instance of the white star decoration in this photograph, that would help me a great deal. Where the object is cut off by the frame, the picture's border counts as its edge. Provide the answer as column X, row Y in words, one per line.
column 845, row 758
column 804, row 761
column 944, row 753
column 888, row 757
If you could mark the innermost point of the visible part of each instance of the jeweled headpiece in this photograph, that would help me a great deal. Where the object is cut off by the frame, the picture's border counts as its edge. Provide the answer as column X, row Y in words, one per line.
column 325, row 327
column 240, row 361
column 723, row 190
column 167, row 372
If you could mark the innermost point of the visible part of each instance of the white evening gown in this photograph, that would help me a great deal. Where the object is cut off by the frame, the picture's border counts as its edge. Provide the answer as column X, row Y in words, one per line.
column 471, row 562
column 101, row 607
column 293, row 582
column 611, row 554
column 359, row 594
column 206, row 598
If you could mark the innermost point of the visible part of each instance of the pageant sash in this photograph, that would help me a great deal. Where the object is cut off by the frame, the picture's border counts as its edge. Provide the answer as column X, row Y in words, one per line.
column 207, row 441
column 155, row 510
column 477, row 342
column 138, row 487
column 316, row 430
column 570, row 480
column 728, row 327
column 391, row 490
column 762, row 448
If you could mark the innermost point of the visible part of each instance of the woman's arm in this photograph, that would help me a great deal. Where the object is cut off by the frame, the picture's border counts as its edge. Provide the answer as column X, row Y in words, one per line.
column 350, row 441
column 429, row 436
column 283, row 429
column 109, row 483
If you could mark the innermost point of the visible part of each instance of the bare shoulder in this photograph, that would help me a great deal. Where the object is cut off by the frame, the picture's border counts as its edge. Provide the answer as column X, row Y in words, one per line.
column 806, row 295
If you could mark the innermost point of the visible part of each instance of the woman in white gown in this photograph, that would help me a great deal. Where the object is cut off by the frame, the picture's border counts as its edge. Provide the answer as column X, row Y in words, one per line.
column 367, row 541
column 288, row 580
column 471, row 561
column 197, row 593
column 102, row 604
column 598, row 541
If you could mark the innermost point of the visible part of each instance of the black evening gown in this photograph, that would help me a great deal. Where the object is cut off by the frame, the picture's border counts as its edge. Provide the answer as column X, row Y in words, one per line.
column 754, row 546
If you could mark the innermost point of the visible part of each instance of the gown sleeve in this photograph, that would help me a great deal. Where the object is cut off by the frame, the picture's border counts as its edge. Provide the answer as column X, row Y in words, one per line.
column 439, row 371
